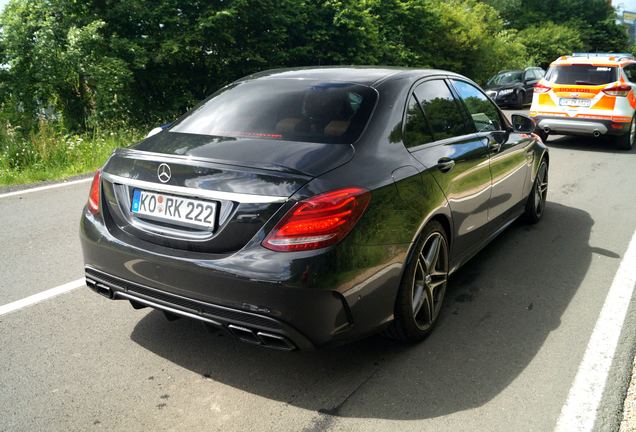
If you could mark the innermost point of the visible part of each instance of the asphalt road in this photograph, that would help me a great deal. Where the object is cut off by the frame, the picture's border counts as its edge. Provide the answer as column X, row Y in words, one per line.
column 513, row 332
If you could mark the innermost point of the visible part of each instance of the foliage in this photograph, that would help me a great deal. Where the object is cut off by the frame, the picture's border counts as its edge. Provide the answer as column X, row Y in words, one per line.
column 83, row 68
column 592, row 22
column 48, row 153
column 549, row 41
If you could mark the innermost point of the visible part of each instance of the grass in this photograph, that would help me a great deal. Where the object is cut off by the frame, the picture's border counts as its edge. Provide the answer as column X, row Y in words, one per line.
column 49, row 154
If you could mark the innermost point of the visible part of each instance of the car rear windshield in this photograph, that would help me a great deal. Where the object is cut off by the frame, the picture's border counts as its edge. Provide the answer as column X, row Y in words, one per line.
column 582, row 74
column 284, row 109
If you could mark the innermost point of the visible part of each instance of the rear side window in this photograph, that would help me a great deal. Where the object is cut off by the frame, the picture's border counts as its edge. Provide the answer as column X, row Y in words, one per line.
column 483, row 112
column 442, row 111
column 284, row 109
column 582, row 74
column 416, row 129
column 630, row 72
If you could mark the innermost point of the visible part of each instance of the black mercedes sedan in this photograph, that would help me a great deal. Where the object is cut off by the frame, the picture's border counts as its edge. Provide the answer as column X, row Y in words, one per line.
column 300, row 208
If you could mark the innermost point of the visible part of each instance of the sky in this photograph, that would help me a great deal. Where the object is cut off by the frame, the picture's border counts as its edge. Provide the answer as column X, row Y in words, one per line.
column 628, row 5
column 4, row 2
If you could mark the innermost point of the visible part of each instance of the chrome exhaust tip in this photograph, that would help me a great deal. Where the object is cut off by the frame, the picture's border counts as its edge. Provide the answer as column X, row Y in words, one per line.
column 99, row 288
column 596, row 133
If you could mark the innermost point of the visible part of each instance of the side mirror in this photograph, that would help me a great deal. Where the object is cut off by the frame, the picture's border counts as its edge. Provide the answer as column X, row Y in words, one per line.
column 523, row 124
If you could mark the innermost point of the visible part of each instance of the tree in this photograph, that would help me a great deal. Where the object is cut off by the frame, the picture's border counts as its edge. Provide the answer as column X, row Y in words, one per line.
column 547, row 42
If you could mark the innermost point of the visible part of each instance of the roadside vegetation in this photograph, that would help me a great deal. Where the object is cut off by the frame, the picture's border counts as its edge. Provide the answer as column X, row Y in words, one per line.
column 78, row 79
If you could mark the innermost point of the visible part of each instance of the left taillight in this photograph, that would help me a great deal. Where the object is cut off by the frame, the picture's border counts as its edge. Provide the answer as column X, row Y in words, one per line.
column 94, row 194
column 541, row 88
column 319, row 221
column 618, row 90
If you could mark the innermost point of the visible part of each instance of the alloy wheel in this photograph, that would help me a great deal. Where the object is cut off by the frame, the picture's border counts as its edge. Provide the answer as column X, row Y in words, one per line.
column 541, row 189
column 429, row 281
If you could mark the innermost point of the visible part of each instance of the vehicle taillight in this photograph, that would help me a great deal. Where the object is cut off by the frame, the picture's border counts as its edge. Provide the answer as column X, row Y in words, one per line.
column 319, row 221
column 541, row 88
column 93, row 195
column 618, row 90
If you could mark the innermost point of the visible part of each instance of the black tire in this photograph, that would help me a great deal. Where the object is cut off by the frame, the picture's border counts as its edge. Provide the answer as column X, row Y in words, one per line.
column 425, row 278
column 518, row 103
column 626, row 142
column 535, row 205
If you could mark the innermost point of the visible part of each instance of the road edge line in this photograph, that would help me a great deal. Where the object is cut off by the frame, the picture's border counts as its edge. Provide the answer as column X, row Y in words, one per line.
column 581, row 407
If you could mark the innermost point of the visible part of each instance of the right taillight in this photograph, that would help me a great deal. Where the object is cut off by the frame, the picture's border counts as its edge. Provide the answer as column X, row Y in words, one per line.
column 94, row 194
column 319, row 221
column 618, row 90
column 541, row 88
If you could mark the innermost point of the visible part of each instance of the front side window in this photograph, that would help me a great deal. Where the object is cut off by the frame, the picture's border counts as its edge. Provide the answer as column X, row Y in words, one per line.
column 483, row 112
column 284, row 109
column 581, row 74
column 442, row 111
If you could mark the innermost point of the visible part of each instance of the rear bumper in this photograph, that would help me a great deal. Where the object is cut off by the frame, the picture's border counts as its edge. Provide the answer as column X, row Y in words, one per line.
column 581, row 126
column 248, row 327
column 303, row 299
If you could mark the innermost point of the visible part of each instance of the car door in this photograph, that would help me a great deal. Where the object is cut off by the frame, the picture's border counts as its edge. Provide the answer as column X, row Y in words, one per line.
column 530, row 78
column 510, row 153
column 441, row 137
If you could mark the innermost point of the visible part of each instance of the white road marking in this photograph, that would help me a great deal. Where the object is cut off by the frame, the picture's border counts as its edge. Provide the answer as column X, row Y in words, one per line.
column 36, row 298
column 580, row 409
column 41, row 188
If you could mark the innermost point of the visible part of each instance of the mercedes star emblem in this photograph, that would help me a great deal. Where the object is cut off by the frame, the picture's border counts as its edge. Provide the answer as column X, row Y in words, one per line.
column 163, row 172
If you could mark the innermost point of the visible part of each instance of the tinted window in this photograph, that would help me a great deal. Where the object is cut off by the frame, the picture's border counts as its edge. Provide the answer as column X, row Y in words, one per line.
column 483, row 112
column 297, row 110
column 581, row 74
column 442, row 111
column 416, row 129
column 630, row 72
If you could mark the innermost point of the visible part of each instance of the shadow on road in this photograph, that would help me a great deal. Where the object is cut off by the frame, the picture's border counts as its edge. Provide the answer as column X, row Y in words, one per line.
column 603, row 144
column 499, row 311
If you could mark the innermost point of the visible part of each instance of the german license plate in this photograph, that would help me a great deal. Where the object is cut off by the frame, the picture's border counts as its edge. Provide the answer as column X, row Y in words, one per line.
column 175, row 209
column 575, row 102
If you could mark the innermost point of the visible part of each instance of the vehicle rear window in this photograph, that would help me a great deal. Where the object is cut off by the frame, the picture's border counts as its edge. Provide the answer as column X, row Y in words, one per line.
column 284, row 109
column 582, row 74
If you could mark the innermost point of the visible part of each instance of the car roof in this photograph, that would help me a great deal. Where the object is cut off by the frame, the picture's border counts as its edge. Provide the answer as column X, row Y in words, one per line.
column 594, row 60
column 364, row 75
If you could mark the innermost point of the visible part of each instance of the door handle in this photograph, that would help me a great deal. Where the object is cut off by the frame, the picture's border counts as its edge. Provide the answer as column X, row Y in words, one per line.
column 445, row 164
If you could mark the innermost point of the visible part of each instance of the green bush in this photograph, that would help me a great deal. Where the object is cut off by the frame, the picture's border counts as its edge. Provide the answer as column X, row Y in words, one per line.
column 49, row 153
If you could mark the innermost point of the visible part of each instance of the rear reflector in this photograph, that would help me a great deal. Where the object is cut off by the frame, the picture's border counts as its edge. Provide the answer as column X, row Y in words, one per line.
column 618, row 90
column 93, row 195
column 319, row 221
